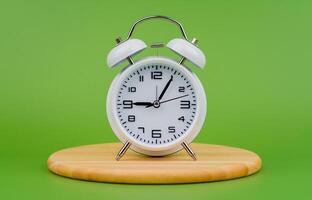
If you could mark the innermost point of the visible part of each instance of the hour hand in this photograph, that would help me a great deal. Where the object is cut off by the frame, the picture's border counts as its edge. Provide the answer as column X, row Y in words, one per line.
column 143, row 103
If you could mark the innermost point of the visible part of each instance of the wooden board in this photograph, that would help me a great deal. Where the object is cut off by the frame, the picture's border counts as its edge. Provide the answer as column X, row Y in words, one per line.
column 97, row 163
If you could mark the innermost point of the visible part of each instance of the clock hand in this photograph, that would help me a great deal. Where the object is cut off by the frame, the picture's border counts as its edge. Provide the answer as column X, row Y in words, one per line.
column 143, row 103
column 165, row 89
column 173, row 99
column 147, row 106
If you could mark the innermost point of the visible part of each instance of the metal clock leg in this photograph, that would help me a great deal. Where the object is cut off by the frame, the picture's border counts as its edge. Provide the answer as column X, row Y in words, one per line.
column 123, row 150
column 189, row 150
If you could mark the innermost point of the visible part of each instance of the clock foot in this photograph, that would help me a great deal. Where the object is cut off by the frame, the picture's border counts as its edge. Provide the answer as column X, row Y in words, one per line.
column 123, row 150
column 189, row 150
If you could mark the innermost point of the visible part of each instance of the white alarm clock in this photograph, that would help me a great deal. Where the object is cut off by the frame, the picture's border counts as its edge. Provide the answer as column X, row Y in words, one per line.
column 156, row 106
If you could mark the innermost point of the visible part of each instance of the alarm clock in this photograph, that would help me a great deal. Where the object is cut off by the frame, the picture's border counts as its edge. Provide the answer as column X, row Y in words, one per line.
column 156, row 106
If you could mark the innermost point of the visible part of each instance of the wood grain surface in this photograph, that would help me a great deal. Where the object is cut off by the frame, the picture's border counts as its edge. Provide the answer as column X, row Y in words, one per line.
column 97, row 163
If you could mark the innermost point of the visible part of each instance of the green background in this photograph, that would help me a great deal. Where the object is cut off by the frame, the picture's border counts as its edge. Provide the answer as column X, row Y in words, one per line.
column 54, row 81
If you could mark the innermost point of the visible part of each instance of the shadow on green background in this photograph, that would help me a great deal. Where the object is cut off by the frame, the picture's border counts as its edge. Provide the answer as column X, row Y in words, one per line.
column 54, row 80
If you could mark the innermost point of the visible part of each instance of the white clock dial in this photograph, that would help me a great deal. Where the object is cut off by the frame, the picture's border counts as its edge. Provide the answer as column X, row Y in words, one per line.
column 156, row 104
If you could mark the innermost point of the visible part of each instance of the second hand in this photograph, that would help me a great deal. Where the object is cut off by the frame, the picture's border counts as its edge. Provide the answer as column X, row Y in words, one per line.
column 173, row 99
column 150, row 105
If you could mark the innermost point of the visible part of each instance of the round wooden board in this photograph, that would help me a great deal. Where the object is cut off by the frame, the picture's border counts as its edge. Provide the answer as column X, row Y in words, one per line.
column 97, row 163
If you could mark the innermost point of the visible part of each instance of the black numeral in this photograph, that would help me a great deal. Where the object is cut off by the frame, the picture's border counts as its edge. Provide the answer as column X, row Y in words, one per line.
column 156, row 133
column 143, row 129
column 156, row 75
column 171, row 129
column 181, row 118
column 131, row 118
column 141, row 78
column 127, row 104
column 131, row 89
column 181, row 89
column 185, row 104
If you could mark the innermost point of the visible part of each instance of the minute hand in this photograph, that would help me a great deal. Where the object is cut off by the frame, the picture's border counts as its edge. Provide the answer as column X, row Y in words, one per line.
column 165, row 89
column 173, row 99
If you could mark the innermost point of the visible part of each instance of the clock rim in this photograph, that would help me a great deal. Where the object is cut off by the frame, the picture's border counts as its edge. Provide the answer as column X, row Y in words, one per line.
column 171, row 147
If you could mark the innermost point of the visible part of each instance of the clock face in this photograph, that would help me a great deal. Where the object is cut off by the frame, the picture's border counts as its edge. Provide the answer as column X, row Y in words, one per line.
column 156, row 104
